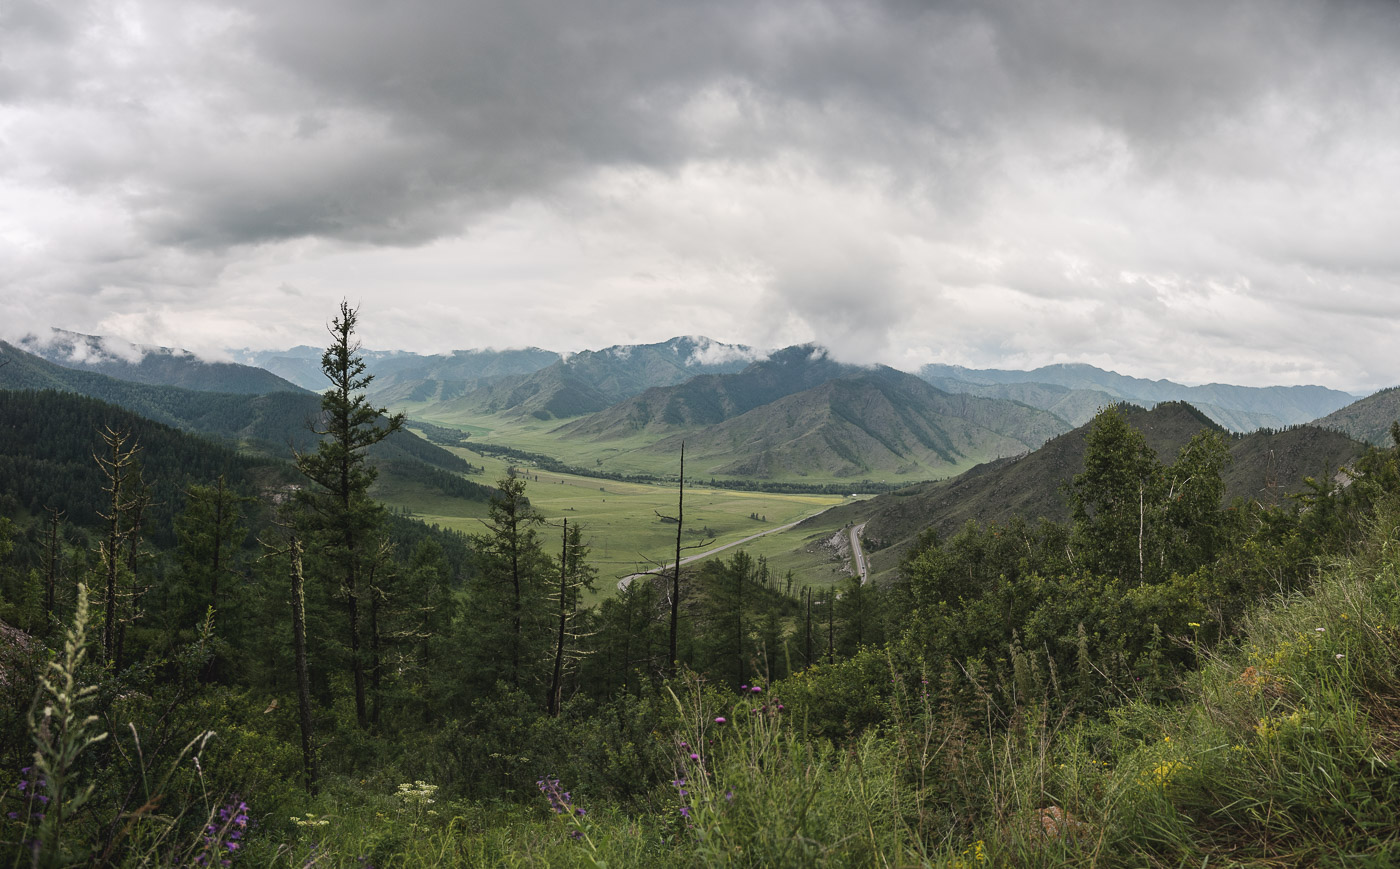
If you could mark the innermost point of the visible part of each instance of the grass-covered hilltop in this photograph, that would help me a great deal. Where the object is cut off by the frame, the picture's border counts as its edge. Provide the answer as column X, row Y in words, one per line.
column 952, row 621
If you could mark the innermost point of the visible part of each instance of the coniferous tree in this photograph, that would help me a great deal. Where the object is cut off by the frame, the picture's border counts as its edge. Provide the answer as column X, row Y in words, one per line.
column 1110, row 500
column 210, row 531
column 509, row 610
column 339, row 509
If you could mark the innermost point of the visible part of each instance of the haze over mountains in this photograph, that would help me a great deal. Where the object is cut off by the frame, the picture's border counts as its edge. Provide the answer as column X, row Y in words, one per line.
column 583, row 383
column 152, row 365
column 1074, row 392
column 274, row 423
column 790, row 415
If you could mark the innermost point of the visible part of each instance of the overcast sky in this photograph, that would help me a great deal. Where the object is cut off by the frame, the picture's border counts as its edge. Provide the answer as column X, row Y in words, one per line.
column 1195, row 190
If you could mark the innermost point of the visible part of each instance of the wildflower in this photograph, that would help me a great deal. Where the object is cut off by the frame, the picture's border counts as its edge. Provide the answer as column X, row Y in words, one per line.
column 1339, row 656
column 757, row 690
column 1193, row 624
column 685, row 812
column 1320, row 630
column 780, row 707
column 683, row 745
column 743, row 687
column 695, row 757
column 729, row 795
column 719, row 719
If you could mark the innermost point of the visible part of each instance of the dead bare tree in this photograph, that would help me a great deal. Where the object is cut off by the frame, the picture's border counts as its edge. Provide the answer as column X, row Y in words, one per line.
column 291, row 549
column 574, row 574
column 51, row 565
column 679, row 519
column 118, row 466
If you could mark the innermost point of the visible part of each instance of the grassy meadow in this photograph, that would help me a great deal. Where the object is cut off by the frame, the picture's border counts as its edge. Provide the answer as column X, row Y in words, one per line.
column 621, row 524
column 633, row 455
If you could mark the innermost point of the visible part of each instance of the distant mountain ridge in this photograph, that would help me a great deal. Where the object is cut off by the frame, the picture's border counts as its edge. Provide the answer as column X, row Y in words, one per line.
column 709, row 399
column 868, row 425
column 1237, row 408
column 799, row 413
column 594, row 380
column 277, row 423
column 158, row 366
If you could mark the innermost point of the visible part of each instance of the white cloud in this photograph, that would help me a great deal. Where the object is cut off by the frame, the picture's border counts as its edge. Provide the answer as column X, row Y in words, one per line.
column 1195, row 190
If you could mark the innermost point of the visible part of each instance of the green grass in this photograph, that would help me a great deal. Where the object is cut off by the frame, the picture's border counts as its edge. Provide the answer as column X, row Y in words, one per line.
column 632, row 455
column 620, row 519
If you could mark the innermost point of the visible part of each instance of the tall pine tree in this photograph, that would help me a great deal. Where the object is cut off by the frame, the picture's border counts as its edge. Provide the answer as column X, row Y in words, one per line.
column 339, row 509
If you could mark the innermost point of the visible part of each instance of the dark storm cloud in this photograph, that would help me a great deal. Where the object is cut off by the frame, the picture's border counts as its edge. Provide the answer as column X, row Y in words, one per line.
column 878, row 175
column 392, row 123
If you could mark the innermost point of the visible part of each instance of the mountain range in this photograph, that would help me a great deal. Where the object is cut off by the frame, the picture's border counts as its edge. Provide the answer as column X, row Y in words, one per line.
column 275, row 423
column 160, row 366
column 583, row 383
column 1075, row 392
column 791, row 415
column 799, row 413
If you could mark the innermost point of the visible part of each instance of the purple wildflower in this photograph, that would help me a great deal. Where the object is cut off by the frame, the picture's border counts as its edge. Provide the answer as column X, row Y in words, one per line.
column 719, row 719
column 757, row 690
column 558, row 798
column 695, row 757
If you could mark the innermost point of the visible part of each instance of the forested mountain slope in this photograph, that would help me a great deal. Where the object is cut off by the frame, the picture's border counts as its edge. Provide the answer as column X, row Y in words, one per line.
column 48, row 441
column 158, row 366
column 1367, row 420
column 276, row 423
column 875, row 424
column 1034, row 485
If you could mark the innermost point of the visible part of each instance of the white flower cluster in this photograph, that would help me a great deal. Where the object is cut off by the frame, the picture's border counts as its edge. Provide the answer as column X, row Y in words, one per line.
column 418, row 794
column 309, row 821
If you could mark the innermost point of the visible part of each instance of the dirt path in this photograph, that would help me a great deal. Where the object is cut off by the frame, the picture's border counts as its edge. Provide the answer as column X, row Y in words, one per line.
column 622, row 583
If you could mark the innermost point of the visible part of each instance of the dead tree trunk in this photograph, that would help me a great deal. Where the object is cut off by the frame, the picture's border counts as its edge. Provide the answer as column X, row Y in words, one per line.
column 676, row 575
column 556, row 684
column 308, row 748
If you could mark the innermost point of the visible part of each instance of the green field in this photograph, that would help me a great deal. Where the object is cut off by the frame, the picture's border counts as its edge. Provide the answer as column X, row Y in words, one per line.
column 626, row 456
column 621, row 523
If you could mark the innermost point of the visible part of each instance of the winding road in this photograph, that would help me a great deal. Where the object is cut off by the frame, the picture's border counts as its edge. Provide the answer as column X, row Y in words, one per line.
column 622, row 583
column 862, row 567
